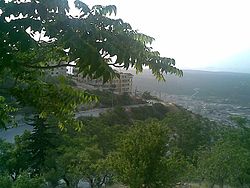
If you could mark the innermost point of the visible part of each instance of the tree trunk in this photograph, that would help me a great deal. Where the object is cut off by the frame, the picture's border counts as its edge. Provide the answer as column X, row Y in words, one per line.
column 13, row 177
column 103, row 181
column 211, row 185
column 67, row 182
column 91, row 183
column 241, row 182
column 221, row 184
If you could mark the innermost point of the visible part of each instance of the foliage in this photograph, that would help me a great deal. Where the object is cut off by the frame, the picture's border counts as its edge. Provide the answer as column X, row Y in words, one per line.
column 14, row 158
column 44, row 152
column 240, row 121
column 146, row 95
column 5, row 155
column 28, row 153
column 39, row 94
column 5, row 181
column 82, row 163
column 85, row 36
column 38, row 36
column 82, row 155
column 157, row 110
column 43, row 138
column 5, row 110
column 20, row 158
column 117, row 116
column 104, row 134
column 152, row 153
column 142, row 158
column 106, row 99
column 190, row 132
column 81, row 158
column 226, row 163
column 24, row 181
column 126, row 116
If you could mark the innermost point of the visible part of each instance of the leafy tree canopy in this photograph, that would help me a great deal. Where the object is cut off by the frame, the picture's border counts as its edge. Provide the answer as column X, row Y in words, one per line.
column 144, row 159
column 37, row 36
column 226, row 163
column 190, row 131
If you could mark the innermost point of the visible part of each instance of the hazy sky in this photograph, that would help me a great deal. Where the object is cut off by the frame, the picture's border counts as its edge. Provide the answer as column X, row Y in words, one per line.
column 198, row 34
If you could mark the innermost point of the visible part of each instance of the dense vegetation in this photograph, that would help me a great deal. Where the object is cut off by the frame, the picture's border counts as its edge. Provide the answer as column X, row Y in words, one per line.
column 130, row 149
column 110, row 99
column 150, row 146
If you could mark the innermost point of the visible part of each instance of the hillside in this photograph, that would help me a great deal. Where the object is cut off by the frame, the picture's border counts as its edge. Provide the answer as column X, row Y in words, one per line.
column 233, row 88
column 215, row 95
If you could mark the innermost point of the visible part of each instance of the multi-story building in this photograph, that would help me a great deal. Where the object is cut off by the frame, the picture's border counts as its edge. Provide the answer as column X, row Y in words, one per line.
column 58, row 71
column 119, row 85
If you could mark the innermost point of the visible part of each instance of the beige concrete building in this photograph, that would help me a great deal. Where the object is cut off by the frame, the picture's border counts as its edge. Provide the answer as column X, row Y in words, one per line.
column 117, row 85
column 120, row 85
column 58, row 71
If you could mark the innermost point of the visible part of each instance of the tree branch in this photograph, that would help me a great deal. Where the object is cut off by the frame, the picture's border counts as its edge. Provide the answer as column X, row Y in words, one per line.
column 103, row 181
column 47, row 67
column 113, row 64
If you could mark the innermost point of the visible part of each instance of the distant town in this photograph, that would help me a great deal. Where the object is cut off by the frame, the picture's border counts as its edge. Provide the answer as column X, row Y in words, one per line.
column 214, row 95
column 213, row 109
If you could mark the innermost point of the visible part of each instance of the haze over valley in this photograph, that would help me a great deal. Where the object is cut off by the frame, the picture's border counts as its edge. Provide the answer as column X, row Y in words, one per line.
column 216, row 95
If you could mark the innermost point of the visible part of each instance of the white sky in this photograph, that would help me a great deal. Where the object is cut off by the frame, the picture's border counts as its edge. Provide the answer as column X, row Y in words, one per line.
column 198, row 34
